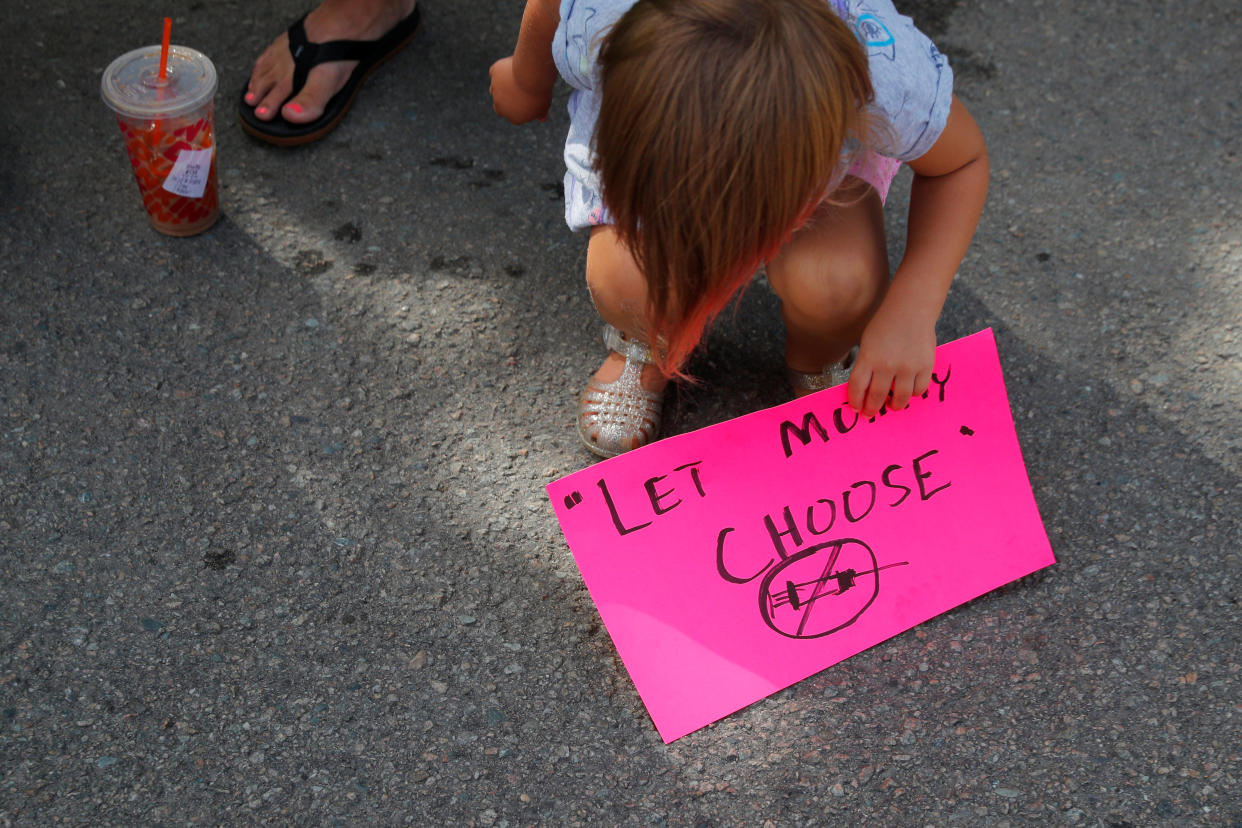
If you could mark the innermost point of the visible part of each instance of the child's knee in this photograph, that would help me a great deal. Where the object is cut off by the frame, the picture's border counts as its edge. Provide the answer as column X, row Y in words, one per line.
column 605, row 286
column 846, row 287
column 612, row 277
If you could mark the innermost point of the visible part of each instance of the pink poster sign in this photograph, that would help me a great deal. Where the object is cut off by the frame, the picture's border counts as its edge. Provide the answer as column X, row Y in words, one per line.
column 734, row 561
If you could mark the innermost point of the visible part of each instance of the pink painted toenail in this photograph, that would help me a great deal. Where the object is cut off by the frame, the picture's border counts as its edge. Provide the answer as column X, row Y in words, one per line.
column 250, row 97
column 295, row 108
column 261, row 110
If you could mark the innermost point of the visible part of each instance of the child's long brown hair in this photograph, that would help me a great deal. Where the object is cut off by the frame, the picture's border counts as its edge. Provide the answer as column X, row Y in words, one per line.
column 722, row 122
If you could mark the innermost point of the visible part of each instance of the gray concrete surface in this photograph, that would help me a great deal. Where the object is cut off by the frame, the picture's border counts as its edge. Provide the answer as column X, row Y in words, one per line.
column 275, row 548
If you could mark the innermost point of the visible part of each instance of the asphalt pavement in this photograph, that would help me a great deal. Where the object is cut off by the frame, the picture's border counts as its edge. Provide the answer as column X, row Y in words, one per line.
column 274, row 545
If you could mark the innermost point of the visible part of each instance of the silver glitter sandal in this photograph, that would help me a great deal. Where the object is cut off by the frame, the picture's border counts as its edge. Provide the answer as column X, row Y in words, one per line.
column 832, row 375
column 618, row 416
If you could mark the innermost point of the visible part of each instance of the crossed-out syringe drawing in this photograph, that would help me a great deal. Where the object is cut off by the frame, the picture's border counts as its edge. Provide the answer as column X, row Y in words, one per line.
column 822, row 589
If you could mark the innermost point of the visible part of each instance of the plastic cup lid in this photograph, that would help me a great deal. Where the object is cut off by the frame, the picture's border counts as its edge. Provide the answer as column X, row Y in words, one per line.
column 131, row 84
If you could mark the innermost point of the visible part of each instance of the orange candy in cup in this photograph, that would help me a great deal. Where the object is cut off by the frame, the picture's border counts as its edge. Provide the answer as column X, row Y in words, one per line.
column 154, row 148
column 165, row 114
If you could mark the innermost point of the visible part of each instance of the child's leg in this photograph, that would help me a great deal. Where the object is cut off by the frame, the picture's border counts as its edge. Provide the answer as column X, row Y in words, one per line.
column 831, row 277
column 620, row 408
column 619, row 291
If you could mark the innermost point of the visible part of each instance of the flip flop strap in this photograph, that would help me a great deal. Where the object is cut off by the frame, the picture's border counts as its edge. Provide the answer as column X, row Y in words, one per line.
column 307, row 55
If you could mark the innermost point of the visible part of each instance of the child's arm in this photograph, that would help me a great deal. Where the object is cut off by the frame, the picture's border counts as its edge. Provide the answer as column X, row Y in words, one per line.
column 522, row 83
column 898, row 345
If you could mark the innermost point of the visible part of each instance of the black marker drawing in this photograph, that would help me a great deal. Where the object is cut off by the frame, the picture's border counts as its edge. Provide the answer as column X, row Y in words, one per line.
column 822, row 589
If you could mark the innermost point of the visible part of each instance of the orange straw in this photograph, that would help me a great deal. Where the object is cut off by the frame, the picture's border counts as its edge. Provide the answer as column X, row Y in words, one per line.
column 164, row 48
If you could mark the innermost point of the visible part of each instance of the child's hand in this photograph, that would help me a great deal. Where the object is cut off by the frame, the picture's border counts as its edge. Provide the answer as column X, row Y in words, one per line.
column 511, row 101
column 896, row 355
column 898, row 347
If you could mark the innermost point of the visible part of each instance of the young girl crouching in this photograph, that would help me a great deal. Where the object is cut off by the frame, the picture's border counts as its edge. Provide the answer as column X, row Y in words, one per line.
column 709, row 138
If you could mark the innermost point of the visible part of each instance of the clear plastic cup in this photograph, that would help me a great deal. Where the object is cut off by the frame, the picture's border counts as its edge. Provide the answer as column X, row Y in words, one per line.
column 169, row 130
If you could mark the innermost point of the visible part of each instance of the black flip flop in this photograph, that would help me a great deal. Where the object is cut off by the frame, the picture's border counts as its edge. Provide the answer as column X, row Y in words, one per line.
column 306, row 55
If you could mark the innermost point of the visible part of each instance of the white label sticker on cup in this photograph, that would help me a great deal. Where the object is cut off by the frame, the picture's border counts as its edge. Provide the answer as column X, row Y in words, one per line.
column 189, row 175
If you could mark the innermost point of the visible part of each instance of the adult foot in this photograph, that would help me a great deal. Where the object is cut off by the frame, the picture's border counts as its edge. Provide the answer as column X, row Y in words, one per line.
column 271, row 80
